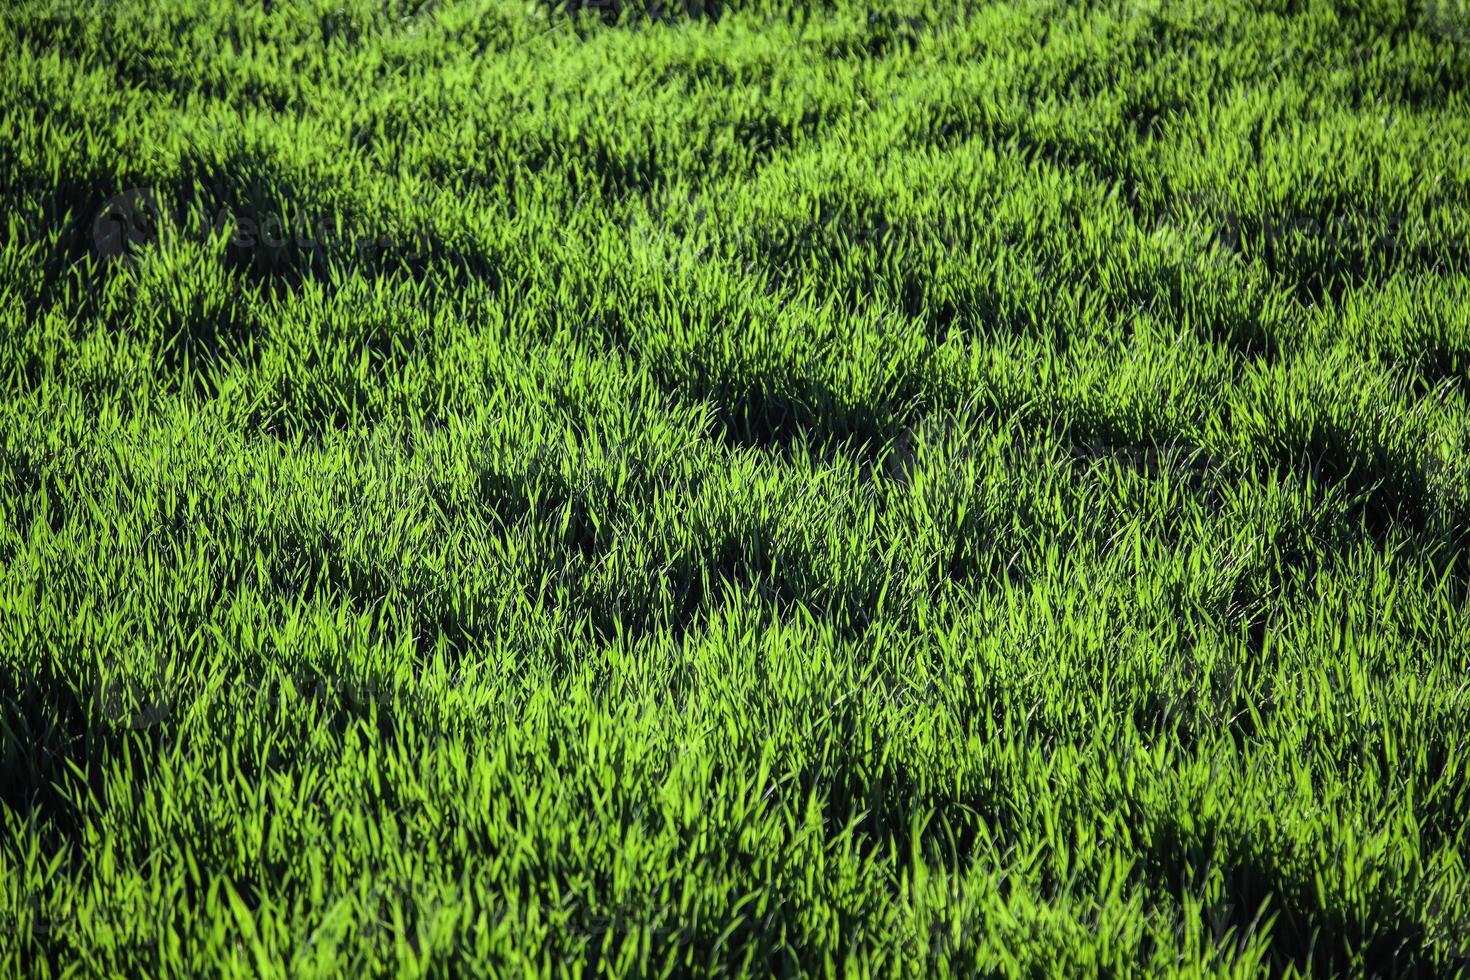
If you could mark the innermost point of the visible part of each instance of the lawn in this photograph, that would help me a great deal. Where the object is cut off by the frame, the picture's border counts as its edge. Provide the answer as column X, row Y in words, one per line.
column 773, row 487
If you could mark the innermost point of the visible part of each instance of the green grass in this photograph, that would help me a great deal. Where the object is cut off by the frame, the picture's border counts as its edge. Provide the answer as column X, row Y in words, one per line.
column 763, row 487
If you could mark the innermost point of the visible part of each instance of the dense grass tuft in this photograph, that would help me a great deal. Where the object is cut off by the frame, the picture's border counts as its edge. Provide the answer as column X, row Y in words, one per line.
column 740, row 487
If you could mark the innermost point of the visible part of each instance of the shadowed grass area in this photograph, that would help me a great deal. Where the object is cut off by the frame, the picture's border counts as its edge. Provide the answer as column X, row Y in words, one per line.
column 741, row 488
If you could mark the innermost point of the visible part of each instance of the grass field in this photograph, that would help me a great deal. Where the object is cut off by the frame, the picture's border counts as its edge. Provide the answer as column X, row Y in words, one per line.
column 789, row 487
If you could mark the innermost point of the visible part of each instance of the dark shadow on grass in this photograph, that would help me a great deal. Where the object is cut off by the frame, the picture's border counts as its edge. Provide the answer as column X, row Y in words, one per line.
column 1305, row 937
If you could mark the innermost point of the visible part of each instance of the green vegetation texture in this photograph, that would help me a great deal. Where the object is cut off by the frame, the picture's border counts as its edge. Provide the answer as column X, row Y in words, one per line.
column 899, row 488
